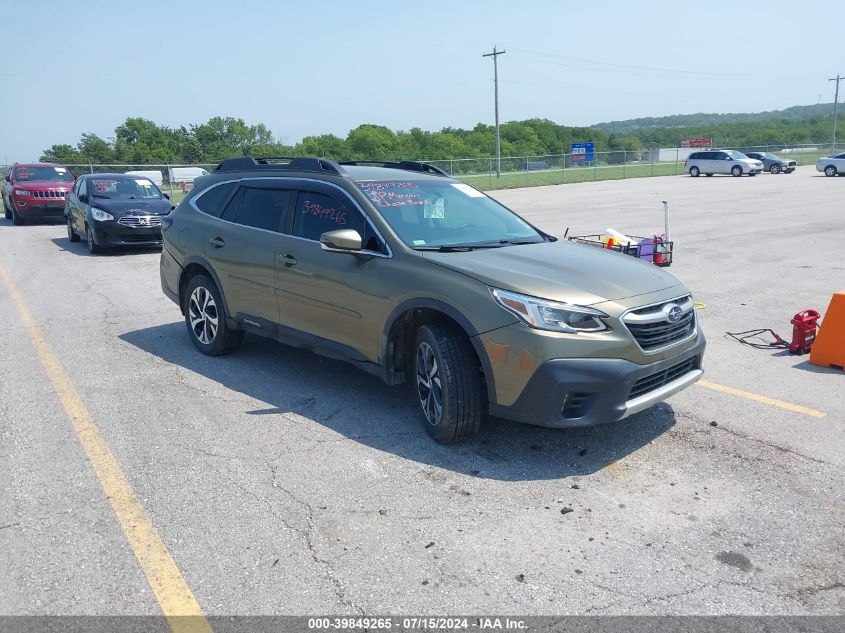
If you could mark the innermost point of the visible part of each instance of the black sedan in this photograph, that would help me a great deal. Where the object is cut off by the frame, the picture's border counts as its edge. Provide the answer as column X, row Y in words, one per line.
column 115, row 210
column 773, row 164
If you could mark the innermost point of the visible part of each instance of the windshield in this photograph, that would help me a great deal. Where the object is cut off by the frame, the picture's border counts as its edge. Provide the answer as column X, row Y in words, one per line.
column 427, row 214
column 124, row 188
column 31, row 173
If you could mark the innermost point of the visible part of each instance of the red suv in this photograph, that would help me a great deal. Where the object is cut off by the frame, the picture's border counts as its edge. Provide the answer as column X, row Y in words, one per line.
column 35, row 190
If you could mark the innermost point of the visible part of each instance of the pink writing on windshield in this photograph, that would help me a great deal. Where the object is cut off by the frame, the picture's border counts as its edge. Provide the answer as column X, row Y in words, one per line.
column 312, row 208
column 381, row 186
column 393, row 199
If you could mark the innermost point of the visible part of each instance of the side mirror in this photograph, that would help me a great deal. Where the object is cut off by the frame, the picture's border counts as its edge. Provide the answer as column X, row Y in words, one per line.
column 344, row 241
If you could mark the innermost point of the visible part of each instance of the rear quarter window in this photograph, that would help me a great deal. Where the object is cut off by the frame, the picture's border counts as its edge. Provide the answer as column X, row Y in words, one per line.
column 212, row 200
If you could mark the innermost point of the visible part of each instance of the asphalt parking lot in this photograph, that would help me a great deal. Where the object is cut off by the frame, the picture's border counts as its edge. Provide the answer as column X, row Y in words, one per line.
column 280, row 482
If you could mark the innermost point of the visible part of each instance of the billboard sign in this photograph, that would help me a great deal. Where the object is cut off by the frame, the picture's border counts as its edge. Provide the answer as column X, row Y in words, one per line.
column 697, row 142
column 583, row 152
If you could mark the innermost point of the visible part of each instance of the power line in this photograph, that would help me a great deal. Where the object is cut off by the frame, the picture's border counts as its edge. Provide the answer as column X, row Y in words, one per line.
column 632, row 66
column 495, row 55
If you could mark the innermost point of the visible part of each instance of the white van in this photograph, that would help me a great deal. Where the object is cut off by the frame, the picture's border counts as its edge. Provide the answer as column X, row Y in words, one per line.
column 185, row 174
column 151, row 174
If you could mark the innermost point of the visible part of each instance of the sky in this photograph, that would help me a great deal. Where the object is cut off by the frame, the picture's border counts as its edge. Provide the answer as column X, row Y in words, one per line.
column 305, row 68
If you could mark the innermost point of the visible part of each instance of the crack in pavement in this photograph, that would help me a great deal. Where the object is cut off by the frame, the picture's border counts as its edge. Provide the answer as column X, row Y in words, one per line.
column 312, row 548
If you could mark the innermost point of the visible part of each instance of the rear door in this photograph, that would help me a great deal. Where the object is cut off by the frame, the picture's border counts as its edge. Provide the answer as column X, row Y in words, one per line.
column 332, row 296
column 241, row 247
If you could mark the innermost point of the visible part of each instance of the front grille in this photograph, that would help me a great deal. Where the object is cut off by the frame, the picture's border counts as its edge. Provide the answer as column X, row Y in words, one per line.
column 655, row 381
column 653, row 330
column 791, row 163
column 140, row 221
column 156, row 237
column 49, row 194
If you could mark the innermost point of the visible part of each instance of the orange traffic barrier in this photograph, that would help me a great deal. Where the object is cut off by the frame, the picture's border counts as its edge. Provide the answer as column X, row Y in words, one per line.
column 829, row 347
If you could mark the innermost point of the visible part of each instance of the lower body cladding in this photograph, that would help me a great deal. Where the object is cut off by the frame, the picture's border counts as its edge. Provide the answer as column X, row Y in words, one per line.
column 573, row 392
column 114, row 234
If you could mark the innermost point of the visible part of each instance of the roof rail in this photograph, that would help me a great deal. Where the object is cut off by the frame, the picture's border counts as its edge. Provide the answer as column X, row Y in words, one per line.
column 288, row 163
column 408, row 165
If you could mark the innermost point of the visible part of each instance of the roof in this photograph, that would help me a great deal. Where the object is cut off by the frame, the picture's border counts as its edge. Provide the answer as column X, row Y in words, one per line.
column 113, row 175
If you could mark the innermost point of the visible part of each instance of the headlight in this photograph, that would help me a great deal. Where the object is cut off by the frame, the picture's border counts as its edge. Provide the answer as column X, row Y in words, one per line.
column 99, row 214
column 22, row 192
column 551, row 315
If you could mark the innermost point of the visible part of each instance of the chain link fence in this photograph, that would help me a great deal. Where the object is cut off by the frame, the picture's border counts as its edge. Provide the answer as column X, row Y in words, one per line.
column 514, row 171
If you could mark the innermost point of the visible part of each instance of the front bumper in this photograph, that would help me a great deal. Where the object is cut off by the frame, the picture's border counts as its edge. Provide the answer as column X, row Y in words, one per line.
column 39, row 207
column 575, row 392
column 108, row 234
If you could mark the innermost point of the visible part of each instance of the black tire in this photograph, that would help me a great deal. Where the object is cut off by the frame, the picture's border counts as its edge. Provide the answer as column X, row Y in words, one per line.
column 6, row 212
column 709, row 175
column 449, row 390
column 736, row 171
column 752, row 173
column 205, row 318
column 694, row 171
column 93, row 247
column 71, row 234
column 775, row 169
column 830, row 170
column 17, row 218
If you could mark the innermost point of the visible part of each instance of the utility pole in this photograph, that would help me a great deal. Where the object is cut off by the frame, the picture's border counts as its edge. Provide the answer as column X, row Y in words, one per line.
column 495, row 54
column 837, row 79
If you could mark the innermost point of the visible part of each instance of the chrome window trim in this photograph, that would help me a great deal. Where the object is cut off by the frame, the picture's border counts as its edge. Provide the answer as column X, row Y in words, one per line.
column 663, row 348
column 192, row 204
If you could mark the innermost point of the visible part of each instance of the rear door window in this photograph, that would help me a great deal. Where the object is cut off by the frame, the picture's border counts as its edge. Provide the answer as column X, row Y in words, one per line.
column 264, row 208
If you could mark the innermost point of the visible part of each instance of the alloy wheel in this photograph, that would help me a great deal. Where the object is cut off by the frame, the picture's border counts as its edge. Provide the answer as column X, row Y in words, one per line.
column 203, row 314
column 429, row 387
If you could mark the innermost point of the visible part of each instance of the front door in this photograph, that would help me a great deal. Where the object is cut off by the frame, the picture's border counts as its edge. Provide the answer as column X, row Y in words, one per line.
column 333, row 296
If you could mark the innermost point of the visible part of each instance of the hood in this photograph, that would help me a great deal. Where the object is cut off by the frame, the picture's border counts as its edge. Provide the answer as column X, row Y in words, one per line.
column 42, row 185
column 560, row 271
column 160, row 206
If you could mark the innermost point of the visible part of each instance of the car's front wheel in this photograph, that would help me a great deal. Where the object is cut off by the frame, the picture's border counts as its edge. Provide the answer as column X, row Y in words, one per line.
column 205, row 318
column 6, row 212
column 17, row 218
column 736, row 170
column 830, row 170
column 71, row 234
column 448, row 383
column 775, row 169
column 694, row 172
column 93, row 247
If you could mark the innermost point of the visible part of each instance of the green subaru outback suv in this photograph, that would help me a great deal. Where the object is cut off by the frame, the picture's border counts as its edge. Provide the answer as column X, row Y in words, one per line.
column 418, row 278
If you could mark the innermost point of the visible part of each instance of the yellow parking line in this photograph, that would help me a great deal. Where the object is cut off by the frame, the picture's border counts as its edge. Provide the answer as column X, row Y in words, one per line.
column 797, row 408
column 172, row 592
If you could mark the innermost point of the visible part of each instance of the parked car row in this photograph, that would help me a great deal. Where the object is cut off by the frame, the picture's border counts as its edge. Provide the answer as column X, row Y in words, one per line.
column 735, row 163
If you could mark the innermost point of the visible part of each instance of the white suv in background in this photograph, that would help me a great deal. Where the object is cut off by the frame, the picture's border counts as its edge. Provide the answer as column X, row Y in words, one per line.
column 722, row 161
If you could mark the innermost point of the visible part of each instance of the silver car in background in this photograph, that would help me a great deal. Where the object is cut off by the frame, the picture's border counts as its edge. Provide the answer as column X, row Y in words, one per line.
column 832, row 165
column 722, row 161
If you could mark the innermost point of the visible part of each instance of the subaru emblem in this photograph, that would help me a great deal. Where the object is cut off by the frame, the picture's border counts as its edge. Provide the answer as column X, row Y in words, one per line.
column 674, row 312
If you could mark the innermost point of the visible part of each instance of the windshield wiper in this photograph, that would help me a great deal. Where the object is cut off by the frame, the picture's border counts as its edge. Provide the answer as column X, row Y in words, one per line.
column 447, row 248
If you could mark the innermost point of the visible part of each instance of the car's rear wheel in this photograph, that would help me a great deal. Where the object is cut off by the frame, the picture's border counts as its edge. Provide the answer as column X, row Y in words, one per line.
column 93, row 247
column 830, row 170
column 736, row 170
column 694, row 172
column 775, row 169
column 448, row 385
column 71, row 234
column 205, row 318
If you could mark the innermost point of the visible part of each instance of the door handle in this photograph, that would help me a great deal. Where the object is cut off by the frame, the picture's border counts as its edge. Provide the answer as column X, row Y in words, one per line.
column 287, row 259
column 217, row 242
